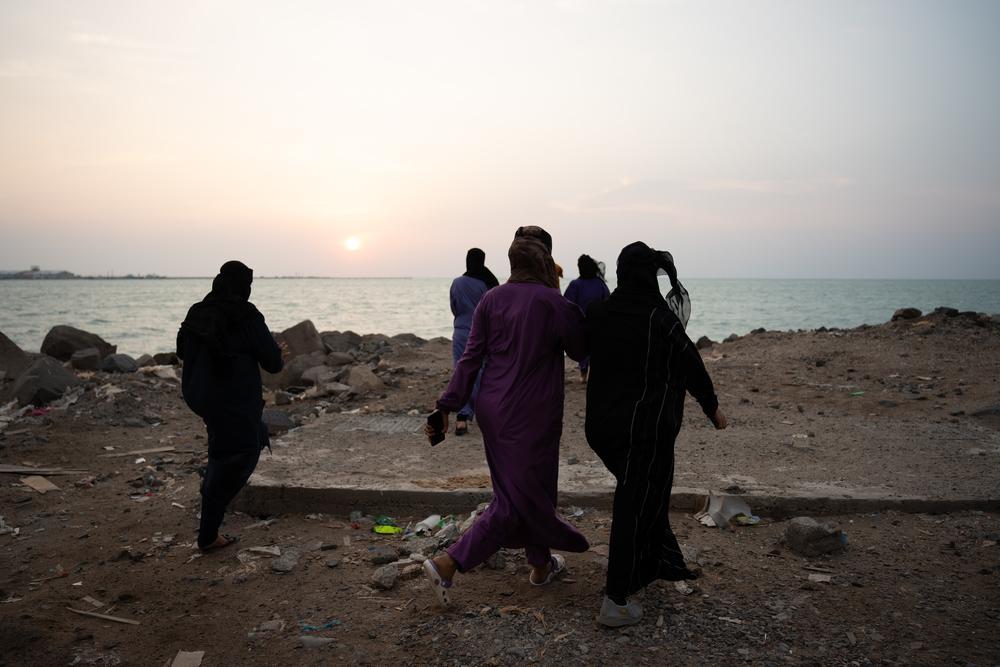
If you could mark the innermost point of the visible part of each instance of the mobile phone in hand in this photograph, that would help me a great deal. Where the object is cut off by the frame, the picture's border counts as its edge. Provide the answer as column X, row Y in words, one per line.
column 436, row 421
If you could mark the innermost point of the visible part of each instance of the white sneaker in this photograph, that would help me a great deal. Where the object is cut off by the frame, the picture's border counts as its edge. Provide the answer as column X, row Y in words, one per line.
column 615, row 615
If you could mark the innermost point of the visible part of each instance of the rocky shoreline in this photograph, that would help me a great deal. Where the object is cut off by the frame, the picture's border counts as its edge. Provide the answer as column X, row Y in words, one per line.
column 904, row 408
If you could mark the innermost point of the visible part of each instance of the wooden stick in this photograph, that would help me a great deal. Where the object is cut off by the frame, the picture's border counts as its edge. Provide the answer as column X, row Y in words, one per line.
column 116, row 619
column 151, row 450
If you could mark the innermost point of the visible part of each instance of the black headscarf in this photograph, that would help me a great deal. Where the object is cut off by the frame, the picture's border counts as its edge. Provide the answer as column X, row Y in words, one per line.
column 475, row 267
column 638, row 266
column 589, row 267
column 222, row 309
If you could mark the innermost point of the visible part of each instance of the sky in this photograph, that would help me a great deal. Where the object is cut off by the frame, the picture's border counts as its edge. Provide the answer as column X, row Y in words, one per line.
column 760, row 139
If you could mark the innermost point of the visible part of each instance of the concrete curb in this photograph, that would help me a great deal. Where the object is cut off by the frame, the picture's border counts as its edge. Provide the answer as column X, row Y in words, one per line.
column 268, row 499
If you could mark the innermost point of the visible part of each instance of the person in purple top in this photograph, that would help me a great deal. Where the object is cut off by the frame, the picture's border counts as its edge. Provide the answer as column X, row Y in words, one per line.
column 521, row 330
column 585, row 290
column 466, row 291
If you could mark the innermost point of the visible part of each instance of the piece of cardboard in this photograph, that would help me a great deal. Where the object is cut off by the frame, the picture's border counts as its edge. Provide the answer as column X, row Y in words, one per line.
column 39, row 484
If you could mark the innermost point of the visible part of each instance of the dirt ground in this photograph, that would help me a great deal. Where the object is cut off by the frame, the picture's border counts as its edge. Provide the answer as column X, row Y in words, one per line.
column 909, row 588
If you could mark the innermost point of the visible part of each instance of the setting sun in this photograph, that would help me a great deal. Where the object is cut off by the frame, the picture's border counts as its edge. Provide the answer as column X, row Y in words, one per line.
column 352, row 243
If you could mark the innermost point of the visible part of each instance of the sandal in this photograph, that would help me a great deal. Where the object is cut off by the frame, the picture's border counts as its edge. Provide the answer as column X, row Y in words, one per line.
column 439, row 585
column 230, row 540
column 461, row 427
column 556, row 569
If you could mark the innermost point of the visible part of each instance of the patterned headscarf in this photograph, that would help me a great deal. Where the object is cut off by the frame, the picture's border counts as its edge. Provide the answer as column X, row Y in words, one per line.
column 531, row 258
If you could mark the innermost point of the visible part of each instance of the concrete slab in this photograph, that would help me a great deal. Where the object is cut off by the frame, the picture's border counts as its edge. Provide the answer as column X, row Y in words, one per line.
column 370, row 461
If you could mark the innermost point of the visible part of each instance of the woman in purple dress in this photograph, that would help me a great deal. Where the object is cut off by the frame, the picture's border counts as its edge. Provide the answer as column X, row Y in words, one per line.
column 585, row 290
column 466, row 291
column 521, row 330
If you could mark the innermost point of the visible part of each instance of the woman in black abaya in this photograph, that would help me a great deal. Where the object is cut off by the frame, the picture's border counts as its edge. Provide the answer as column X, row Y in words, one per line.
column 642, row 363
column 224, row 341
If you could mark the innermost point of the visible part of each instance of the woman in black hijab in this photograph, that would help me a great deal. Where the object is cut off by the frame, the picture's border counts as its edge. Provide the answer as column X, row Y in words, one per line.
column 465, row 294
column 642, row 363
column 224, row 342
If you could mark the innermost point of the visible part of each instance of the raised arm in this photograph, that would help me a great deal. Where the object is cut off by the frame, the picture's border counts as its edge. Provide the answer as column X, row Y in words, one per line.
column 467, row 369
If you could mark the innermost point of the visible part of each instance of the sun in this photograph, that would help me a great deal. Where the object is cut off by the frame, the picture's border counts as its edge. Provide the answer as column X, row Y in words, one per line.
column 352, row 243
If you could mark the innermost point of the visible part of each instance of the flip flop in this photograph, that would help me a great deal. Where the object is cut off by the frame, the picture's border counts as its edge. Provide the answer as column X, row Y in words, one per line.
column 230, row 540
column 555, row 571
column 439, row 585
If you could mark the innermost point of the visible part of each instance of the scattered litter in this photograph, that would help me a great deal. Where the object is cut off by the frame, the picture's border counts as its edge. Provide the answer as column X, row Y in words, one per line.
column 727, row 619
column 821, row 578
column 105, row 617
column 140, row 461
column 574, row 512
column 427, row 525
column 721, row 511
column 39, row 484
column 274, row 625
column 265, row 551
column 92, row 601
column 857, row 393
column 260, row 524
column 333, row 622
column 188, row 659
column 659, row 621
column 4, row 529
column 178, row 505
column 683, row 587
column 385, row 525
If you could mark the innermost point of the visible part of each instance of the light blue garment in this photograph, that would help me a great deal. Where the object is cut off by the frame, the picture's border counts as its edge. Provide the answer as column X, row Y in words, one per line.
column 464, row 296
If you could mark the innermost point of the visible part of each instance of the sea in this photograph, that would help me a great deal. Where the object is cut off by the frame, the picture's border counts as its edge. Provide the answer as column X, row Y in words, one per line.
column 142, row 316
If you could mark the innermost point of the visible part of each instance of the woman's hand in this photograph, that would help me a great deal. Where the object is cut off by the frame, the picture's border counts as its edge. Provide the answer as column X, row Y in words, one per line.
column 719, row 420
column 429, row 430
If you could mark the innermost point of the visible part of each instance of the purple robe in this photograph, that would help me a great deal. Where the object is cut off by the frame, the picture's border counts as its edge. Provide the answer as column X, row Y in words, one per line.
column 521, row 331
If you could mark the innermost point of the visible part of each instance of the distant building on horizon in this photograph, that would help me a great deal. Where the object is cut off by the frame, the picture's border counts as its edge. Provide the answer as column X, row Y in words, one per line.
column 36, row 273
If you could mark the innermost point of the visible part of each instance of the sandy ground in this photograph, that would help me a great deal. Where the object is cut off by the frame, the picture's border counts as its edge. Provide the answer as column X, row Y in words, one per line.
column 909, row 589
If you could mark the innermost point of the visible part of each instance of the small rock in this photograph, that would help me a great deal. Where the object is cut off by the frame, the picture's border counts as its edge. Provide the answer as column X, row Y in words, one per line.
column 730, row 338
column 946, row 311
column 282, row 398
column 704, row 342
column 339, row 359
column 380, row 555
column 119, row 363
column 332, row 562
column 385, row 577
column 808, row 537
column 145, row 360
column 277, row 421
column 497, row 561
column 315, row 642
column 167, row 359
column 362, row 380
column 286, row 562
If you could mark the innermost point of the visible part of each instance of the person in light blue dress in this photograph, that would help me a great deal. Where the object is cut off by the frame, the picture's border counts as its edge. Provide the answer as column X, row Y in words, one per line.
column 466, row 292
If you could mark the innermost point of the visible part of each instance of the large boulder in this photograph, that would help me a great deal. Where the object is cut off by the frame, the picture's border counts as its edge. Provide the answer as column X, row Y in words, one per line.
column 119, row 363
column 291, row 374
column 339, row 359
column 340, row 341
column 301, row 339
column 86, row 360
column 362, row 380
column 906, row 314
column 167, row 359
column 43, row 381
column 408, row 339
column 145, row 360
column 62, row 341
column 13, row 360
column 704, row 342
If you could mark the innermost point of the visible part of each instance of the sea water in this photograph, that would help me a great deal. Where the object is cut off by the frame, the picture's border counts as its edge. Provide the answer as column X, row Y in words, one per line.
column 142, row 316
